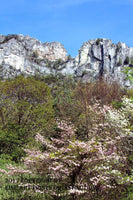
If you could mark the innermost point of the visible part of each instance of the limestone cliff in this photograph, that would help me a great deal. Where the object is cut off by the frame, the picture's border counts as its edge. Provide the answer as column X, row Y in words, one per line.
column 22, row 54
column 99, row 57
column 102, row 57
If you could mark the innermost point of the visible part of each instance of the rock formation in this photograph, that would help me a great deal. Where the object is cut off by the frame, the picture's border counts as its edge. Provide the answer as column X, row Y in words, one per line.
column 100, row 57
column 22, row 54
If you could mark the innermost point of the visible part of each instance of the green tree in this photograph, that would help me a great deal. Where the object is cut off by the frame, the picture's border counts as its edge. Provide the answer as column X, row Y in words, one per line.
column 11, row 143
column 26, row 103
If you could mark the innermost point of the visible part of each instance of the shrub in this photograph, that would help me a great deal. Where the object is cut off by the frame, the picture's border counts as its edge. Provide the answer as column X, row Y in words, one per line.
column 98, row 41
column 117, row 104
column 69, row 57
column 11, row 143
column 130, row 93
column 129, row 72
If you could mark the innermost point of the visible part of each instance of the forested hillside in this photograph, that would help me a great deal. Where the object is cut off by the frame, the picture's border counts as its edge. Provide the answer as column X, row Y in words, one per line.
column 61, row 138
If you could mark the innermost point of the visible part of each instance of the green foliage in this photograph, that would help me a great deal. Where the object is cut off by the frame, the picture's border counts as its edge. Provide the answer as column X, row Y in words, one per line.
column 25, row 102
column 63, row 96
column 26, row 108
column 53, row 79
column 10, row 190
column 11, row 143
column 126, row 62
column 130, row 93
column 73, row 102
column 57, row 64
column 4, row 160
column 117, row 104
column 98, row 41
column 129, row 72
column 69, row 57
column 128, row 193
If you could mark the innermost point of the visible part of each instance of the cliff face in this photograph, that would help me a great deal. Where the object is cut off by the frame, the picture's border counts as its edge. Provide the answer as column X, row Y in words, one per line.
column 100, row 57
column 22, row 54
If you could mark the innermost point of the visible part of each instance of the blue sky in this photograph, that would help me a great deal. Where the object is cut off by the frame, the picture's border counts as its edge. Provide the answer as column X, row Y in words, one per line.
column 71, row 22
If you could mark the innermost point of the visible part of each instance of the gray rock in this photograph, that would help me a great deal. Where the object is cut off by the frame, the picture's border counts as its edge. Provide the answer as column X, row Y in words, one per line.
column 2, row 38
column 23, row 54
column 97, row 57
column 54, row 51
column 103, row 58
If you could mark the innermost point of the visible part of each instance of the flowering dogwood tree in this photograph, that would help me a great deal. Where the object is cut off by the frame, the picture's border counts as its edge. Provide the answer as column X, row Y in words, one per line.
column 96, row 168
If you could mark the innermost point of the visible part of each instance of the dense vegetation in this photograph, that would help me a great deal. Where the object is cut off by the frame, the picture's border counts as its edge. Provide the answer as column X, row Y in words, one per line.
column 26, row 107
column 64, row 139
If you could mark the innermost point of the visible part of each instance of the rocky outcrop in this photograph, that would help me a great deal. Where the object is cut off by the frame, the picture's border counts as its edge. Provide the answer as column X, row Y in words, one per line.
column 54, row 51
column 22, row 54
column 100, row 57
